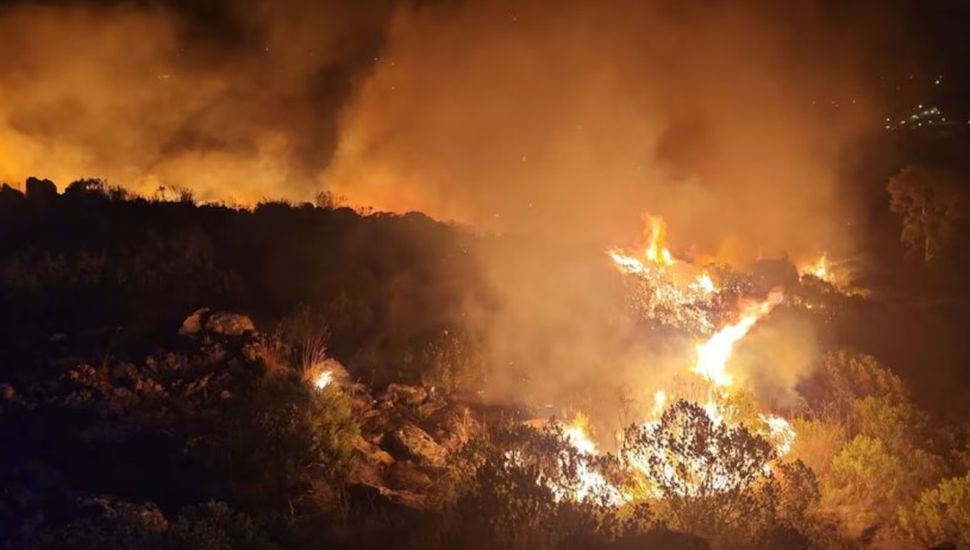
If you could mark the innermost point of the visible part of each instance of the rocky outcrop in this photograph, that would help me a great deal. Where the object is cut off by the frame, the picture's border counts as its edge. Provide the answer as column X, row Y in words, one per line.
column 221, row 323
column 408, row 395
column 455, row 426
column 411, row 442
column 407, row 432
column 229, row 324
column 194, row 323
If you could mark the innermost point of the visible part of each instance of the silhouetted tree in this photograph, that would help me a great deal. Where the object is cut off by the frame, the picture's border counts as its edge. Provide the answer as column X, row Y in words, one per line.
column 932, row 203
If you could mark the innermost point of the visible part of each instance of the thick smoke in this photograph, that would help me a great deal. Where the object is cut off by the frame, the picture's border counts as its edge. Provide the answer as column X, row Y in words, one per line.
column 234, row 101
column 561, row 122
column 729, row 119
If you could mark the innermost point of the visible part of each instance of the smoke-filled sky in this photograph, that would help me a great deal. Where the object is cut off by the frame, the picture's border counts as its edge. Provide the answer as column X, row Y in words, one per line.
column 731, row 119
column 561, row 121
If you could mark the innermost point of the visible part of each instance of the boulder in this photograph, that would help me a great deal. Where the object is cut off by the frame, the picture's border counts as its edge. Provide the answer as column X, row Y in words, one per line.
column 373, row 454
column 455, row 426
column 411, row 442
column 193, row 323
column 408, row 395
column 229, row 324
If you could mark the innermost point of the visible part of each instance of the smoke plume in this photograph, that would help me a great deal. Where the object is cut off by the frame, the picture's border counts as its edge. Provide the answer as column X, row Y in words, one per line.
column 561, row 122
column 729, row 119
column 234, row 104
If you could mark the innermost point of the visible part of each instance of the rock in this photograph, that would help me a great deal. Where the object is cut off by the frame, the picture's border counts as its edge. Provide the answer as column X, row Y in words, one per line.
column 409, row 395
column 373, row 454
column 229, row 324
column 455, row 426
column 410, row 441
column 193, row 323
column 406, row 475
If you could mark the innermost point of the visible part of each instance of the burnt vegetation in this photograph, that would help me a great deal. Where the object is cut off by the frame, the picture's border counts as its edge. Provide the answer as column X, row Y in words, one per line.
column 160, row 364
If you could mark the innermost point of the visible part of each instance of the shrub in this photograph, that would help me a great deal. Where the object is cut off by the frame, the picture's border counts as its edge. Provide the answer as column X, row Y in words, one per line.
column 215, row 526
column 942, row 514
column 266, row 447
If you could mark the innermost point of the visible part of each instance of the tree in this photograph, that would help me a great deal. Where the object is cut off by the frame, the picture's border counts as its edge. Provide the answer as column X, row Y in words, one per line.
column 712, row 479
column 864, row 485
column 931, row 202
column 842, row 378
column 527, row 491
column 942, row 514
column 329, row 200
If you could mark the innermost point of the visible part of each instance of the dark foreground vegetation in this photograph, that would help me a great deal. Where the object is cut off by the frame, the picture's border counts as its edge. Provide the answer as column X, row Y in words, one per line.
column 159, row 363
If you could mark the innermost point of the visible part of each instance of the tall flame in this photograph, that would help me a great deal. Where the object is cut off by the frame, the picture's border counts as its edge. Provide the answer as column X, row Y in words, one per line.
column 713, row 355
column 656, row 236
column 680, row 290
column 819, row 269
column 577, row 435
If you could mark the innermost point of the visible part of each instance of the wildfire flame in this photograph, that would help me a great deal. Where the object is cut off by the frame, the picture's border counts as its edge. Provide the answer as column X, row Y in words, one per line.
column 659, row 402
column 323, row 379
column 704, row 283
column 682, row 296
column 713, row 355
column 656, row 251
column 669, row 290
column 780, row 432
column 591, row 483
column 577, row 435
column 819, row 269
column 627, row 264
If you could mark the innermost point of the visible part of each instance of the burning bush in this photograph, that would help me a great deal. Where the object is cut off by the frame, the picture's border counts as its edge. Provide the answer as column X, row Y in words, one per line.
column 531, row 488
column 714, row 479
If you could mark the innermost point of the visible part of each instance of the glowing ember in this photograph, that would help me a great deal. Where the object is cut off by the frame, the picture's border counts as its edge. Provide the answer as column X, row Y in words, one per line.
column 713, row 355
column 679, row 296
column 591, row 483
column 704, row 284
column 577, row 436
column 627, row 264
column 659, row 402
column 819, row 269
column 780, row 432
column 323, row 379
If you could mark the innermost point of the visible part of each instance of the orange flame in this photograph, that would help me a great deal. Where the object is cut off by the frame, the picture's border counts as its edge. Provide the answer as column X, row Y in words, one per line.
column 656, row 235
column 713, row 355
